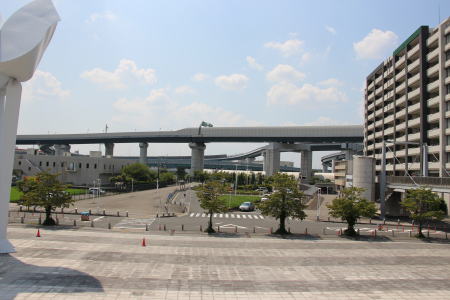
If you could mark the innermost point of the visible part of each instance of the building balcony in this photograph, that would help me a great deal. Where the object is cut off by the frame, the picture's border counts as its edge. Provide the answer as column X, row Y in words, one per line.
column 434, row 166
column 400, row 126
column 413, row 94
column 389, row 107
column 414, row 122
column 413, row 137
column 432, row 38
column 370, row 86
column 414, row 64
column 378, row 79
column 433, row 86
column 447, row 166
column 414, row 79
column 400, row 74
column 371, row 96
column 433, row 70
column 447, row 131
column 414, row 151
column 371, row 136
column 389, row 95
column 400, row 167
column 434, row 149
column 447, row 148
column 401, row 113
column 447, row 30
column 388, row 72
column 389, row 154
column 378, row 123
column 388, row 83
column 378, row 112
column 400, row 153
column 389, row 131
column 370, row 106
column 433, row 54
column 401, row 138
column 414, row 166
column 447, row 97
column 434, row 133
column 447, row 80
column 371, row 126
column 447, row 47
column 400, row 87
column 400, row 61
column 447, row 63
column 389, row 119
column 413, row 108
column 434, row 117
column 400, row 100
column 413, row 50
column 434, row 101
column 379, row 90
column 378, row 134
column 447, row 114
column 389, row 167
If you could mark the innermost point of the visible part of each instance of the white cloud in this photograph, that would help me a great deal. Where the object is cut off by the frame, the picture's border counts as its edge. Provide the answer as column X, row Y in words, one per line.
column 253, row 64
column 200, row 77
column 158, row 110
column 233, row 82
column 43, row 86
column 106, row 15
column 331, row 82
column 288, row 48
column 324, row 121
column 184, row 89
column 376, row 44
column 291, row 94
column 330, row 29
column 125, row 73
column 285, row 73
column 306, row 57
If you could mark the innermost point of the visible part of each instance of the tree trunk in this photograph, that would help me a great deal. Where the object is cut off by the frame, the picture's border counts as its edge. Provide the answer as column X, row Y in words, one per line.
column 350, row 227
column 420, row 234
column 210, row 228
column 48, row 217
column 282, row 227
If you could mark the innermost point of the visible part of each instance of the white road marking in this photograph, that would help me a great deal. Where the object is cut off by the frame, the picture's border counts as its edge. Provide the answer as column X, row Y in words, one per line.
column 203, row 215
column 98, row 219
column 226, row 215
column 244, row 216
column 192, row 214
column 250, row 216
column 232, row 216
column 214, row 215
column 238, row 216
column 220, row 216
column 198, row 215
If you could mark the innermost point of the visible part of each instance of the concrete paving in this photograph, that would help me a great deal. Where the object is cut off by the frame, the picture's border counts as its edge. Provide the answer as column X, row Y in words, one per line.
column 99, row 264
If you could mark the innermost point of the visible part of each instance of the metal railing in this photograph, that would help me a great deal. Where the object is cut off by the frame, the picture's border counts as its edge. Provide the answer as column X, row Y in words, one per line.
column 426, row 181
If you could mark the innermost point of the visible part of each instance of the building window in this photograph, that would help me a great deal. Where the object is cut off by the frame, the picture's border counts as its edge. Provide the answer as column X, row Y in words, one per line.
column 95, row 166
column 40, row 164
column 62, row 165
column 29, row 168
column 87, row 166
column 54, row 164
column 20, row 163
column 47, row 164
column 79, row 166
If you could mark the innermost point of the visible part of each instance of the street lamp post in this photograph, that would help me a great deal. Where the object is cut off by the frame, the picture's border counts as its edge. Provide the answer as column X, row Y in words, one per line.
column 203, row 124
column 319, row 192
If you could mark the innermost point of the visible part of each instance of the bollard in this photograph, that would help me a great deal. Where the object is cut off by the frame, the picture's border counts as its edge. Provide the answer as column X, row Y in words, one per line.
column 118, row 213
column 434, row 228
column 159, row 227
column 104, row 212
column 410, row 233
column 126, row 214
column 428, row 234
column 57, row 221
column 384, row 221
column 90, row 212
column 218, row 228
column 62, row 210
column 254, row 229
column 328, row 219
column 393, row 233
column 375, row 233
column 271, row 230
column 74, row 222
column 398, row 221
column 76, row 210
column 109, row 225
column 40, row 221
column 20, row 208
column 446, row 236
column 370, row 221
column 289, row 229
column 164, row 227
column 235, row 229
column 340, row 231
column 146, row 227
column 157, row 216
column 357, row 231
column 306, row 230
column 201, row 229
column 92, row 223
column 182, row 227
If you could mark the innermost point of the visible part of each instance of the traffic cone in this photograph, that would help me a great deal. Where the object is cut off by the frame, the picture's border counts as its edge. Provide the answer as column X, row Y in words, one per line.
column 38, row 234
column 143, row 242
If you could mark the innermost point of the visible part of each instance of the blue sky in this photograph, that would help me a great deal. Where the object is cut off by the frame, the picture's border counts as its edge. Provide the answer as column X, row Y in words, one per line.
column 151, row 65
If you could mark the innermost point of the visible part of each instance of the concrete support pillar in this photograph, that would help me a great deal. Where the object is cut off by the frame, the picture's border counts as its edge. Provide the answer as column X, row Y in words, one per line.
column 324, row 168
column 61, row 149
column 109, row 149
column 333, row 165
column 197, row 157
column 271, row 161
column 143, row 147
column 306, row 164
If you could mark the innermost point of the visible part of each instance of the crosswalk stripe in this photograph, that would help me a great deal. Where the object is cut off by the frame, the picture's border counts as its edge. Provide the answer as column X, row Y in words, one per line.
column 244, row 216
column 220, row 216
column 192, row 214
column 232, row 216
column 250, row 216
column 214, row 215
column 226, row 215
column 238, row 216
column 203, row 215
column 198, row 215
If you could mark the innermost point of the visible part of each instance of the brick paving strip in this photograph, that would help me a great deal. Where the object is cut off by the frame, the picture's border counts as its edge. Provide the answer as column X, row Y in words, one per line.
column 99, row 264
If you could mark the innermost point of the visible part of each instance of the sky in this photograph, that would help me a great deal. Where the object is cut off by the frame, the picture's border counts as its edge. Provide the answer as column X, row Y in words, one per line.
column 164, row 65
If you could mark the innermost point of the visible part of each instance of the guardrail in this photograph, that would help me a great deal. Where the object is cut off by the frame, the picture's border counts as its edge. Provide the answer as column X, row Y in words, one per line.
column 427, row 181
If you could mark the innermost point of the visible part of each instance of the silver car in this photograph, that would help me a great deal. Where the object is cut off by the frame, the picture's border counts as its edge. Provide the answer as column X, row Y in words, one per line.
column 247, row 206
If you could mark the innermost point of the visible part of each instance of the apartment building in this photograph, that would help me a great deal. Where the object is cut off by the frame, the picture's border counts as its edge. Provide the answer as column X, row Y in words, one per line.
column 407, row 103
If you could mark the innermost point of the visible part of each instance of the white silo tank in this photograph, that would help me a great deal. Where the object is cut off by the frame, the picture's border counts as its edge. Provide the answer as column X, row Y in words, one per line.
column 364, row 175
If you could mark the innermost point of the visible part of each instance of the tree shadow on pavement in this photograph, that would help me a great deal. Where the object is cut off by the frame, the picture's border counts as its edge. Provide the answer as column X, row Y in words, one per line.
column 17, row 277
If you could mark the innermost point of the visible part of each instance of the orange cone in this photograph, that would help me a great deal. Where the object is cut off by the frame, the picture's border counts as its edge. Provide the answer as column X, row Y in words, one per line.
column 38, row 234
column 143, row 242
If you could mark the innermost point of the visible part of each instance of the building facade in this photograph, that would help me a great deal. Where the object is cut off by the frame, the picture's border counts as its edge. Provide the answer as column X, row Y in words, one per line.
column 407, row 105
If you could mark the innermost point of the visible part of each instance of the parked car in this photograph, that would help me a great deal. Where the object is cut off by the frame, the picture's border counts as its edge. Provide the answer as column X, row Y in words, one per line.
column 247, row 206
column 96, row 191
column 264, row 199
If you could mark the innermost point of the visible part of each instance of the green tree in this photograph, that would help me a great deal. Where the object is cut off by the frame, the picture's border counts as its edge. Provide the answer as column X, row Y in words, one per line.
column 350, row 206
column 285, row 202
column 46, row 191
column 201, row 176
column 167, row 177
column 423, row 205
column 138, row 172
column 181, row 173
column 210, row 201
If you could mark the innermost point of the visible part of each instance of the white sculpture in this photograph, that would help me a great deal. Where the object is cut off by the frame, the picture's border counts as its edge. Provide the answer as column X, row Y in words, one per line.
column 23, row 40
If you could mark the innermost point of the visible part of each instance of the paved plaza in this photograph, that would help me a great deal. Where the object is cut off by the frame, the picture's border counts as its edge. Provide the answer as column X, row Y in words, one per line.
column 98, row 264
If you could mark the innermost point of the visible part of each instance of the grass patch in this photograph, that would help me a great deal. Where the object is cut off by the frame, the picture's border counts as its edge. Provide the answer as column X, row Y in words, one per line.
column 235, row 201
column 16, row 194
column 76, row 191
